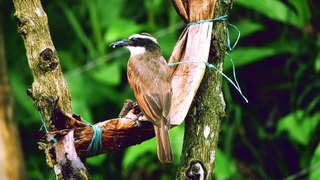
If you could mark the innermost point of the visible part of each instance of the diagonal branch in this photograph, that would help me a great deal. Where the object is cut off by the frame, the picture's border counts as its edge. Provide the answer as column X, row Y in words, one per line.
column 49, row 89
column 117, row 133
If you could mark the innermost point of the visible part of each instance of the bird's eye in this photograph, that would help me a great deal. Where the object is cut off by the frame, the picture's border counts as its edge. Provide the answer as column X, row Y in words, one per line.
column 133, row 39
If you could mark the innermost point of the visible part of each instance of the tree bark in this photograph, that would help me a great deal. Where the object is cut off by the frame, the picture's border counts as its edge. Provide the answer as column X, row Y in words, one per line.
column 116, row 134
column 11, row 159
column 49, row 88
column 202, row 124
column 48, row 85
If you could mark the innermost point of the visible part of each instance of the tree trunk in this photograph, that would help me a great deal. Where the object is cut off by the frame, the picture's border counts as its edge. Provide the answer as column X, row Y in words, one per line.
column 202, row 124
column 11, row 159
column 49, row 89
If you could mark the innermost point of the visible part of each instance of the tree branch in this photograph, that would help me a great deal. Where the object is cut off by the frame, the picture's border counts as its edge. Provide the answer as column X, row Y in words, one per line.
column 117, row 133
column 49, row 89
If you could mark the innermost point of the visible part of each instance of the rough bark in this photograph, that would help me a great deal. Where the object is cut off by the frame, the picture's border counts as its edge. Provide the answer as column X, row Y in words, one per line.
column 49, row 89
column 117, row 133
column 11, row 159
column 202, row 124
column 49, row 84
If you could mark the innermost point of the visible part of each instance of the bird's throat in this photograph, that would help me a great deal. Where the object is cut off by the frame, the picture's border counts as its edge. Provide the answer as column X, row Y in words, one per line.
column 135, row 51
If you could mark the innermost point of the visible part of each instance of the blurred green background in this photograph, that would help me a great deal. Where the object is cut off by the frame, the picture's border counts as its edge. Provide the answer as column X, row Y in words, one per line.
column 275, row 136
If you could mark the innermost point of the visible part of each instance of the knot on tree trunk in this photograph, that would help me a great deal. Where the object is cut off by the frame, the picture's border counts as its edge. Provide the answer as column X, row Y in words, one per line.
column 24, row 22
column 196, row 171
column 48, row 60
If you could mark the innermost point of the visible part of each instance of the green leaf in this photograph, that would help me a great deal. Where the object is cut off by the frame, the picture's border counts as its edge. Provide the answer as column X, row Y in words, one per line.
column 248, row 55
column 80, row 107
column 33, row 162
column 84, row 92
column 76, row 25
column 109, row 11
column 225, row 166
column 116, row 30
column 315, row 165
column 246, row 28
column 133, row 152
column 167, row 44
column 176, row 137
column 97, row 160
column 303, row 10
column 317, row 61
column 299, row 127
column 108, row 74
column 274, row 9
column 66, row 60
column 96, row 26
column 18, row 87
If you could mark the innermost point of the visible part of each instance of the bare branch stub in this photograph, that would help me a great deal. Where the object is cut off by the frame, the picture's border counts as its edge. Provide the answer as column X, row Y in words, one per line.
column 67, row 159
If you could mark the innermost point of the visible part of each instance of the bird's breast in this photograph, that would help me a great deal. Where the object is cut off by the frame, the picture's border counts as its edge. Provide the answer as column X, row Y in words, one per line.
column 147, row 71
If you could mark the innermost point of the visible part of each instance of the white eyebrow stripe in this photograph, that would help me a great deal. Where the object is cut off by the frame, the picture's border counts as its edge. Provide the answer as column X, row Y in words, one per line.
column 144, row 37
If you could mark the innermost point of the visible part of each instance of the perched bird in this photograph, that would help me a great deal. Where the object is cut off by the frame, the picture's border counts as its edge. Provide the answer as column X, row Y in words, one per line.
column 149, row 78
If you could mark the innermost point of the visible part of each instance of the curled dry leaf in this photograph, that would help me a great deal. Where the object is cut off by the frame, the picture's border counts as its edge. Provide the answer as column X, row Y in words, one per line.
column 192, row 46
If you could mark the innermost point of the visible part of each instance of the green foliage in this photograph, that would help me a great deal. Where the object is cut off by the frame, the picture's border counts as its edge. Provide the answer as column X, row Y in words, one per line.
column 299, row 126
column 97, row 161
column 248, row 27
column 277, row 58
column 226, row 167
column 134, row 152
column 317, row 63
column 315, row 164
column 279, row 11
column 108, row 75
column 249, row 55
column 113, row 35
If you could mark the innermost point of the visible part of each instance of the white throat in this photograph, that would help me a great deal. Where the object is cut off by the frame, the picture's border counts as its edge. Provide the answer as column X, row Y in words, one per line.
column 134, row 51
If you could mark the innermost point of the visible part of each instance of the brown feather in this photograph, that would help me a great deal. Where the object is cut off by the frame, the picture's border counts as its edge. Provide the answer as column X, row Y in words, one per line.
column 149, row 78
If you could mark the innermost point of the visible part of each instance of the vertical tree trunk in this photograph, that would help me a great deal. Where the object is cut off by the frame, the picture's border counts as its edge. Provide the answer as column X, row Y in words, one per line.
column 202, row 124
column 11, row 159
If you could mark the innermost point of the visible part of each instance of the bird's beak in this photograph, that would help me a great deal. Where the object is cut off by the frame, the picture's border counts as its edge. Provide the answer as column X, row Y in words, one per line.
column 122, row 43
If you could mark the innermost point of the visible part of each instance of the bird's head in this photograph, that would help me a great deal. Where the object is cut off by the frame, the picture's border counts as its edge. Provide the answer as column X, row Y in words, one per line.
column 138, row 44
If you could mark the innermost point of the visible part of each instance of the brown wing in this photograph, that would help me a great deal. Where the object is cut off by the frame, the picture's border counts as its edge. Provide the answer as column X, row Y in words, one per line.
column 152, row 88
column 167, row 92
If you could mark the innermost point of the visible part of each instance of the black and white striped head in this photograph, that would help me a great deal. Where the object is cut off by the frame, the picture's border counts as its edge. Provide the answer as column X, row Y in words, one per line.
column 138, row 44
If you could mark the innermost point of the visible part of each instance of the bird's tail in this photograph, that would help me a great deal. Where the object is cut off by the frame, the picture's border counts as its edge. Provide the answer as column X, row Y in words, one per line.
column 164, row 149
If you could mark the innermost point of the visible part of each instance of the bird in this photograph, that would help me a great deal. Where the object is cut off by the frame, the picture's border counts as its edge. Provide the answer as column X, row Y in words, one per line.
column 149, row 77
